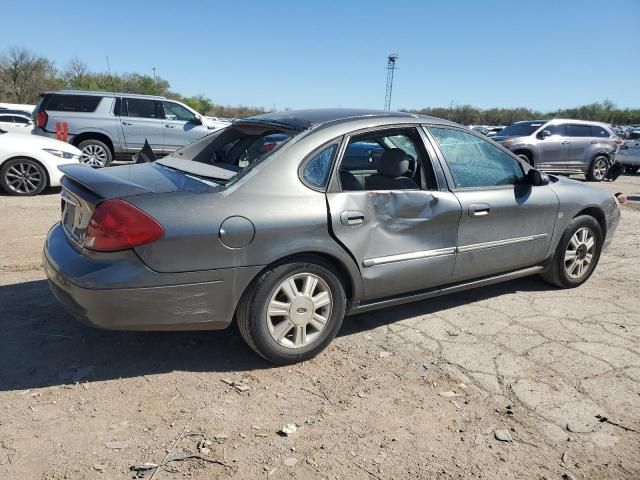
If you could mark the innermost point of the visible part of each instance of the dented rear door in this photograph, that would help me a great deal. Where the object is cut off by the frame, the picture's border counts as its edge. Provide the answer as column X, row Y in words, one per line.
column 403, row 240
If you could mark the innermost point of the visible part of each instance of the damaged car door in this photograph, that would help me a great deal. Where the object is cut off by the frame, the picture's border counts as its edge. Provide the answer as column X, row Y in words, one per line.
column 395, row 220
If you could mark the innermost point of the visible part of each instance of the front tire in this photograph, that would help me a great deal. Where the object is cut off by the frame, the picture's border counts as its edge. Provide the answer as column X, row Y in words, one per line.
column 632, row 170
column 23, row 177
column 577, row 253
column 598, row 169
column 292, row 311
column 95, row 153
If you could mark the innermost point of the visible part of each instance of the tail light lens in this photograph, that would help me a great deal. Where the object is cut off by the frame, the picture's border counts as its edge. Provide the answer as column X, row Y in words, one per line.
column 619, row 141
column 42, row 119
column 118, row 225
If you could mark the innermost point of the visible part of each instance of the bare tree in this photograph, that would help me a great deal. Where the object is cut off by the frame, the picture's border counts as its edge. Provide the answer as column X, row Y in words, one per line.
column 75, row 72
column 23, row 74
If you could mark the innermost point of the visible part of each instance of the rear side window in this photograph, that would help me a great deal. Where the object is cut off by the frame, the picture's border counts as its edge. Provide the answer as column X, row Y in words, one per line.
column 20, row 120
column 140, row 107
column 597, row 131
column 6, row 118
column 73, row 103
column 316, row 171
column 578, row 131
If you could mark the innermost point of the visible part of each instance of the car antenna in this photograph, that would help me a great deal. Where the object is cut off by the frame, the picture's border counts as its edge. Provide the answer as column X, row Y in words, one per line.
column 113, row 87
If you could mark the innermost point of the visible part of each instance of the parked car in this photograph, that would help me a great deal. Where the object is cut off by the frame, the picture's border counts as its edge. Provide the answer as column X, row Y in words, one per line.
column 29, row 164
column 105, row 126
column 6, row 111
column 15, row 123
column 297, row 238
column 483, row 129
column 563, row 146
column 629, row 153
column 493, row 131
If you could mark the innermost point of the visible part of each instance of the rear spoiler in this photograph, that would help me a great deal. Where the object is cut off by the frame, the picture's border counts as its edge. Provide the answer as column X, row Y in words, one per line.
column 100, row 182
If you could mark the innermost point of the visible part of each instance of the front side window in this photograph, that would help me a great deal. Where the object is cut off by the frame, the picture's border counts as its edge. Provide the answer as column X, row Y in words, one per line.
column 175, row 111
column 316, row 171
column 521, row 129
column 140, row 107
column 559, row 130
column 474, row 162
column 22, row 120
column 578, row 131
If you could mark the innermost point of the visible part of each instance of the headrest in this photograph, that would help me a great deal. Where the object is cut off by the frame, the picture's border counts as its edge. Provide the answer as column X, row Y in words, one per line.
column 393, row 163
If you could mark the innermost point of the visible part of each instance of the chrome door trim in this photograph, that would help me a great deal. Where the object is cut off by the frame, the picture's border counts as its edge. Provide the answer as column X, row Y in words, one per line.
column 500, row 243
column 371, row 262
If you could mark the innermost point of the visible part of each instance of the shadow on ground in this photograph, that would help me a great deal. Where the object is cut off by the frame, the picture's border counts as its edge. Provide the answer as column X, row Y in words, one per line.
column 41, row 345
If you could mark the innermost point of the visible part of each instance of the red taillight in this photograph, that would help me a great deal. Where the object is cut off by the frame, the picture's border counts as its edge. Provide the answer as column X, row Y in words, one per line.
column 619, row 141
column 118, row 225
column 42, row 119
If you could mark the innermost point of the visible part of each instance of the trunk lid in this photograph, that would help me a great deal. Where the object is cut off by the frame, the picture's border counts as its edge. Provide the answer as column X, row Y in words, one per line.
column 83, row 188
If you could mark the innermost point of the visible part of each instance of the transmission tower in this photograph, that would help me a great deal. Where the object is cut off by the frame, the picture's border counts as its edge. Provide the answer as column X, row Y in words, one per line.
column 392, row 60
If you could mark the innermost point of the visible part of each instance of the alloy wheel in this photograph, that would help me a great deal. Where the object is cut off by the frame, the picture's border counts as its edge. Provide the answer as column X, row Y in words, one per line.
column 579, row 253
column 600, row 169
column 23, row 178
column 299, row 310
column 94, row 155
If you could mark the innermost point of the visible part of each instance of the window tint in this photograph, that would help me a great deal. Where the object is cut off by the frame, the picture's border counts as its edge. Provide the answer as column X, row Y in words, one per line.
column 560, row 130
column 118, row 109
column 73, row 103
column 474, row 162
column 578, row 131
column 18, row 119
column 316, row 171
column 139, row 107
column 597, row 131
column 6, row 118
column 174, row 111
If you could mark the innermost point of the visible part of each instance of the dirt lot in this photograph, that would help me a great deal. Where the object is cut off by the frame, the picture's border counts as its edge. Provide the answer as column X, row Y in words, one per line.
column 536, row 362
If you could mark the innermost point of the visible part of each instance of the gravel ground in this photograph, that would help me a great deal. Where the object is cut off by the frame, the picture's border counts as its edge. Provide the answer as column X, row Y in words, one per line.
column 419, row 391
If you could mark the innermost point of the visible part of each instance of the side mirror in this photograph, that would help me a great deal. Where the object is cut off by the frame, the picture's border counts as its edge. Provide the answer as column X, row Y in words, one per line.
column 196, row 121
column 537, row 178
column 544, row 134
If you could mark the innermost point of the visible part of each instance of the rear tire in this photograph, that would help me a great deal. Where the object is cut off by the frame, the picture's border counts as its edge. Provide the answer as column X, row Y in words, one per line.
column 23, row 177
column 577, row 253
column 527, row 158
column 95, row 153
column 598, row 169
column 292, row 311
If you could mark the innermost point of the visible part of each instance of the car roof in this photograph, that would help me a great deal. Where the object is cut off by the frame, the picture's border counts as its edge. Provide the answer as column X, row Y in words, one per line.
column 102, row 94
column 305, row 119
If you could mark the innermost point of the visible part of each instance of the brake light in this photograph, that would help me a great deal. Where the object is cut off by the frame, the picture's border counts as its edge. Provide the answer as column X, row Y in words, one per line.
column 118, row 225
column 619, row 141
column 42, row 119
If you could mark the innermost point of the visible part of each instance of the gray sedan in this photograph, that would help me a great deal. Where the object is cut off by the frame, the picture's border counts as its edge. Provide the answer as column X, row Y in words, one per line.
column 287, row 239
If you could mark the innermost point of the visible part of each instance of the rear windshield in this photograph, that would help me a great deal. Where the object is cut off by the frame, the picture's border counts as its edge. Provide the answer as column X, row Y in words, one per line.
column 234, row 149
column 73, row 103
column 521, row 129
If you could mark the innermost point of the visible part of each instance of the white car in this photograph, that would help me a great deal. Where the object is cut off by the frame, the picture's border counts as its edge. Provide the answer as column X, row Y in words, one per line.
column 15, row 123
column 29, row 164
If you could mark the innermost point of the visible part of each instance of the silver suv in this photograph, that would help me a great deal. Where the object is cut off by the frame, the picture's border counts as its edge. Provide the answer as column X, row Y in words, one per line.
column 107, row 126
column 563, row 146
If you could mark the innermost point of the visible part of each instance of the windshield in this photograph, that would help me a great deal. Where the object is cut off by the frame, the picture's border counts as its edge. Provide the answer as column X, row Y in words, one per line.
column 521, row 129
column 230, row 151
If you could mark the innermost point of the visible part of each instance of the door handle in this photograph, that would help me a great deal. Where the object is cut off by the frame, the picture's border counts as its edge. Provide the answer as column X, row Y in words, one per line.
column 479, row 210
column 565, row 142
column 352, row 217
column 593, row 142
column 127, row 123
column 170, row 126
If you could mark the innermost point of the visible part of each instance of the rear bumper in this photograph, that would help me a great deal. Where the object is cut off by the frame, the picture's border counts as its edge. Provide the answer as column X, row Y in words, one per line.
column 121, row 293
column 43, row 133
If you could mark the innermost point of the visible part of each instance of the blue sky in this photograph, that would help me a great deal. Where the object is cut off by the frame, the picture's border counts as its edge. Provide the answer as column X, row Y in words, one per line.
column 297, row 54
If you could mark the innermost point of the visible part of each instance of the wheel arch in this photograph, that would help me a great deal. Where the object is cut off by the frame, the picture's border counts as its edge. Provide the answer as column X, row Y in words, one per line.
column 347, row 278
column 81, row 137
column 596, row 213
column 525, row 151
